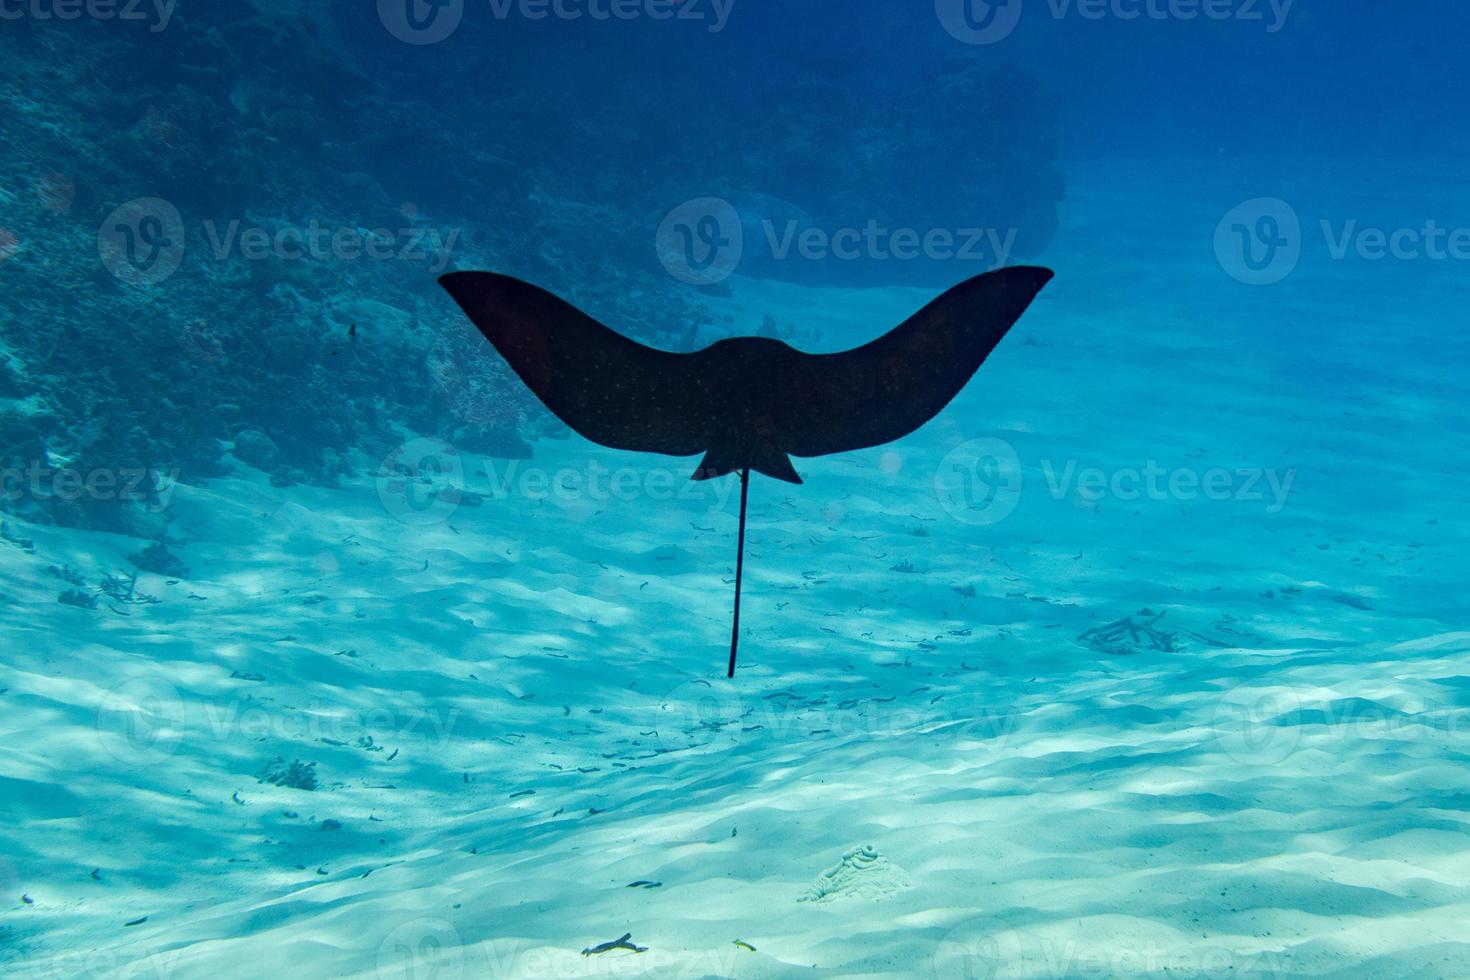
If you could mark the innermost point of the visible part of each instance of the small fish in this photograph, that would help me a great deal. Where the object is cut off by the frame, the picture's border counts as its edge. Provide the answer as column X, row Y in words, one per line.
column 351, row 339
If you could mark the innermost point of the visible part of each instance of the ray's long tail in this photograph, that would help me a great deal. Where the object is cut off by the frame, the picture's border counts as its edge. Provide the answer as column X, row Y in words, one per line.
column 739, row 568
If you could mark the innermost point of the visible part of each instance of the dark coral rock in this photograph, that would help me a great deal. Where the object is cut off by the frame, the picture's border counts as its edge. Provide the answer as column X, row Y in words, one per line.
column 255, row 448
column 297, row 775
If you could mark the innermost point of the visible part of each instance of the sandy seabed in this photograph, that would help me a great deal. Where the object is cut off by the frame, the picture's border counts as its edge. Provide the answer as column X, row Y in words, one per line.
column 1149, row 657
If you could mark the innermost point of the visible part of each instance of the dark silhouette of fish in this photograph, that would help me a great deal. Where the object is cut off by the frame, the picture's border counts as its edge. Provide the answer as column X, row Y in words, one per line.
column 746, row 403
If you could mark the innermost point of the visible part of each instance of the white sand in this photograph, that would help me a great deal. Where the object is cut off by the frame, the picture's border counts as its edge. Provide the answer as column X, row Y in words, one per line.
column 1284, row 794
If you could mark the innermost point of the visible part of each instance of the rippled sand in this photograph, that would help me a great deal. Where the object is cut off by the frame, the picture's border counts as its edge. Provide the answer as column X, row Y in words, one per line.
column 514, row 709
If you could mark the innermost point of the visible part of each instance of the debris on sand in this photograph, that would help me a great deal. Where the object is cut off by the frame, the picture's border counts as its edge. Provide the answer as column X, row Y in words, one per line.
column 1130, row 635
column 298, row 775
column 862, row 873
column 622, row 942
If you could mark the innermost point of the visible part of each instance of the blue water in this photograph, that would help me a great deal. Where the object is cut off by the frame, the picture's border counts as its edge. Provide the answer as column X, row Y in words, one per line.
column 327, row 650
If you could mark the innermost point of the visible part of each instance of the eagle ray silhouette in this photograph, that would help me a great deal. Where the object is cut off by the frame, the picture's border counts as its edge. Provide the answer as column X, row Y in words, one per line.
column 747, row 403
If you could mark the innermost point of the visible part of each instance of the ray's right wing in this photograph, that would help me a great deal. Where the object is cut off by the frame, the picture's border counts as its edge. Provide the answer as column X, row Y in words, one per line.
column 606, row 387
column 886, row 389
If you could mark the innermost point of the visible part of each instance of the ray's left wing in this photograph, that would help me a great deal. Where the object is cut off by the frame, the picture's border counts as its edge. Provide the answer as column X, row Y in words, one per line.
column 606, row 387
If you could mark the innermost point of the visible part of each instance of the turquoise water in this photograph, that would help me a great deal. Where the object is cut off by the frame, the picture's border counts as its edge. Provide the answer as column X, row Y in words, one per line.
column 328, row 651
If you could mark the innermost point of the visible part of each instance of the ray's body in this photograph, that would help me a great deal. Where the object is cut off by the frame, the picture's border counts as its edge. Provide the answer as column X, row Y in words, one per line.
column 746, row 403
